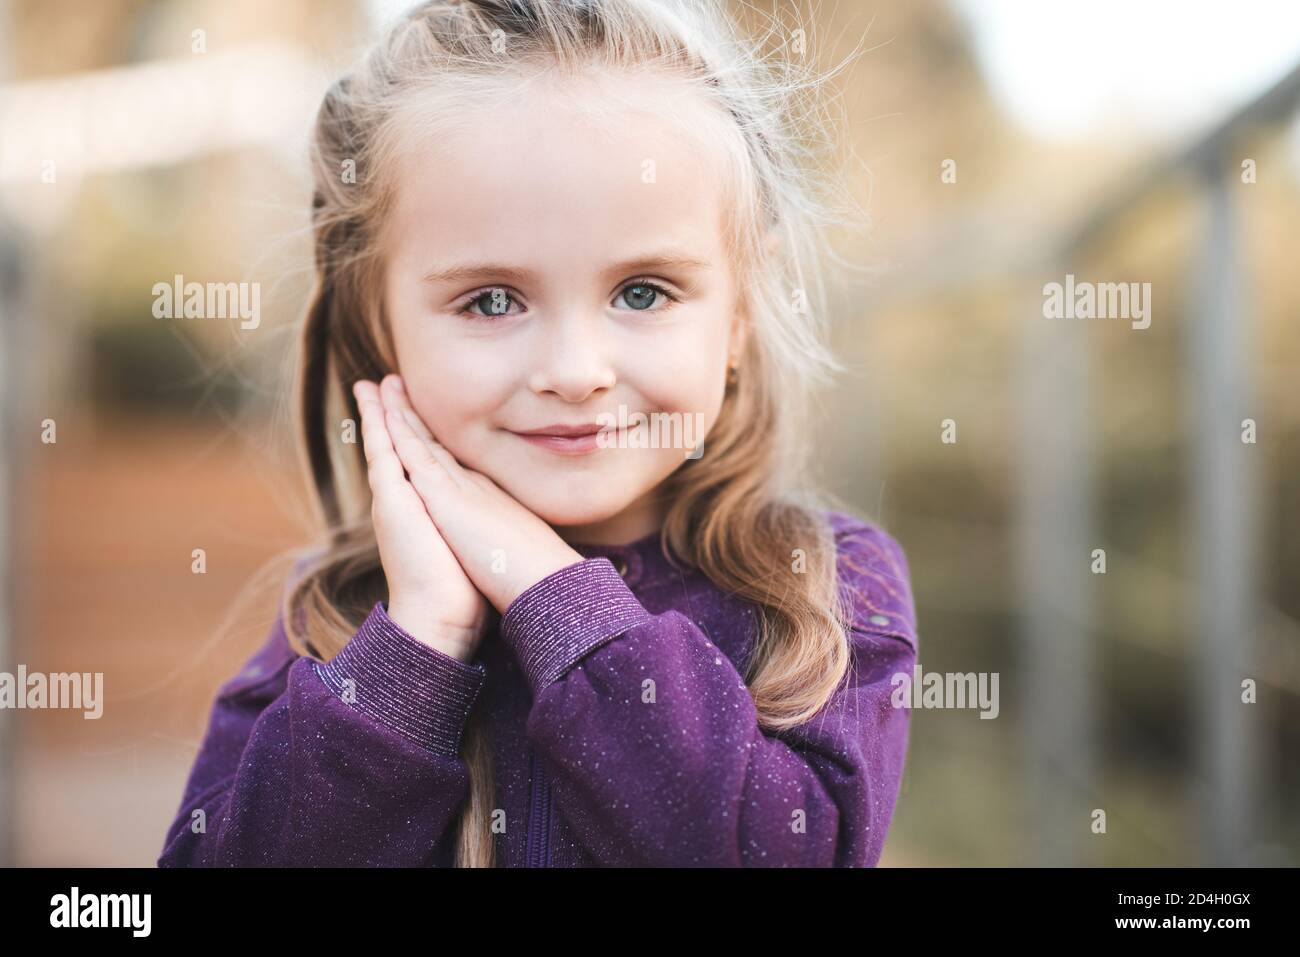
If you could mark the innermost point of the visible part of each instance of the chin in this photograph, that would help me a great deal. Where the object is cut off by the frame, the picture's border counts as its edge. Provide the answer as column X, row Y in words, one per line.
column 571, row 506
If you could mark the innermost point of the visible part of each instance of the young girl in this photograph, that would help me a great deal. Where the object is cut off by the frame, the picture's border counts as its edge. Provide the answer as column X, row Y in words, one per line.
column 537, row 636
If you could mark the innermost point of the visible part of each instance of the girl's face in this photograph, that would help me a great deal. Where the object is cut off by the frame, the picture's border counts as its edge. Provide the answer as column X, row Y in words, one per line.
column 543, row 270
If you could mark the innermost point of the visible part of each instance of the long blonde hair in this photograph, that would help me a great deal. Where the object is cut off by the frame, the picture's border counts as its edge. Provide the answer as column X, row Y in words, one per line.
column 742, row 514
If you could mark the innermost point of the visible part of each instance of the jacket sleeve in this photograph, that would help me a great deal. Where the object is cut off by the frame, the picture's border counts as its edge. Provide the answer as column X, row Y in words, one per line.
column 685, row 776
column 351, row 762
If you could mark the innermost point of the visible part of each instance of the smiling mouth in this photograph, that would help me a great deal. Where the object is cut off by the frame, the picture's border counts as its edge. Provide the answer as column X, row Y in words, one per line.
column 573, row 443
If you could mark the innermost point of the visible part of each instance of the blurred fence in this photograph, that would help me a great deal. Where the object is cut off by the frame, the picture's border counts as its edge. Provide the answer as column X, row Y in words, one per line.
column 1057, row 453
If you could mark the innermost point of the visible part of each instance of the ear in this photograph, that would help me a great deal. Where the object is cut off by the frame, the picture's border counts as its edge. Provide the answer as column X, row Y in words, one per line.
column 739, row 332
column 740, row 321
column 771, row 242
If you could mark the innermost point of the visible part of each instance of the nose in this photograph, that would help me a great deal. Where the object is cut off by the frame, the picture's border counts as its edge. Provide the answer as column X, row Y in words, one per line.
column 573, row 361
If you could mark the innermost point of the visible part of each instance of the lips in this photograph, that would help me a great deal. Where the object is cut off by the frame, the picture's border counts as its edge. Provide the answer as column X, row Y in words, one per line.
column 579, row 439
column 567, row 431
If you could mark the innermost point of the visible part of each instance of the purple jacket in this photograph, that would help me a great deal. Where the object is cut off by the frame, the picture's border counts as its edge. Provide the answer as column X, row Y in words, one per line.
column 623, row 733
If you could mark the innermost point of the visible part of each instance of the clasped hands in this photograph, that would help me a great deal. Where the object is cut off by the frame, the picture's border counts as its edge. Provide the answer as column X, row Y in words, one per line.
column 451, row 540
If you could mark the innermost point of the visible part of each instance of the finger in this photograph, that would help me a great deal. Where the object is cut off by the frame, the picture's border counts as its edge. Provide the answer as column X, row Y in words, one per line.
column 384, row 469
column 398, row 398
column 393, row 499
column 428, row 476
column 409, row 447
column 393, row 392
column 375, row 440
column 403, row 424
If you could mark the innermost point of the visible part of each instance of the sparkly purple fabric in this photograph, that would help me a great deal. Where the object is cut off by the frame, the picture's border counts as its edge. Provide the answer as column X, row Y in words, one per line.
column 621, row 730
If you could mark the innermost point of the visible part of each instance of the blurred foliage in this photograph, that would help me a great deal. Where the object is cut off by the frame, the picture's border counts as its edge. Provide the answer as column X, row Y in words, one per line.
column 154, row 368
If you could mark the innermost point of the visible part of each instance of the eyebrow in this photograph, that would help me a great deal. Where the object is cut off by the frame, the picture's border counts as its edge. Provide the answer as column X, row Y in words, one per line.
column 462, row 272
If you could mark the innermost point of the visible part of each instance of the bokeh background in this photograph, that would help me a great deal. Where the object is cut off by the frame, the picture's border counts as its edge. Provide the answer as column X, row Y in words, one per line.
column 997, row 145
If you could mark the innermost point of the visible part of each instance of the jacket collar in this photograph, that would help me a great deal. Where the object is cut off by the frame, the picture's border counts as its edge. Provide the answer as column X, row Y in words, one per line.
column 640, row 562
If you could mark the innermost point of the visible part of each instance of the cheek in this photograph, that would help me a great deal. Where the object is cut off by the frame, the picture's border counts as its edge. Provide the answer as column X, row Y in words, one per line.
column 454, row 394
column 685, row 373
column 457, row 407
column 445, row 378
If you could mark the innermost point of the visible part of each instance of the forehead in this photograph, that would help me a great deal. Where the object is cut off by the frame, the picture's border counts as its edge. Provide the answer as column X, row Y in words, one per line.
column 571, row 167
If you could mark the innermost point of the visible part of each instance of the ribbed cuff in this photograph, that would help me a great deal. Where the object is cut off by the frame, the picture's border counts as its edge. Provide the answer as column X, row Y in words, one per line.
column 416, row 690
column 559, row 619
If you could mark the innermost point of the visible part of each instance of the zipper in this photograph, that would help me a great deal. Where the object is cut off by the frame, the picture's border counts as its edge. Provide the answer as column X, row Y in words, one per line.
column 537, row 851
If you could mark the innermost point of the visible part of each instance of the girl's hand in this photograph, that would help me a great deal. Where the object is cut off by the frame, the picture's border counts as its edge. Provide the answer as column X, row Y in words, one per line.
column 503, row 547
column 429, row 595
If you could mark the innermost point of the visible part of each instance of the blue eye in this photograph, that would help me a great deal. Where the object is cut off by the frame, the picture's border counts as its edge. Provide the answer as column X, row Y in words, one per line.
column 495, row 304
column 640, row 295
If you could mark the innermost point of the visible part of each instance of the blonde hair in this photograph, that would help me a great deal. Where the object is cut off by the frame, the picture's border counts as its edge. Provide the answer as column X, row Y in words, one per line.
column 739, row 514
